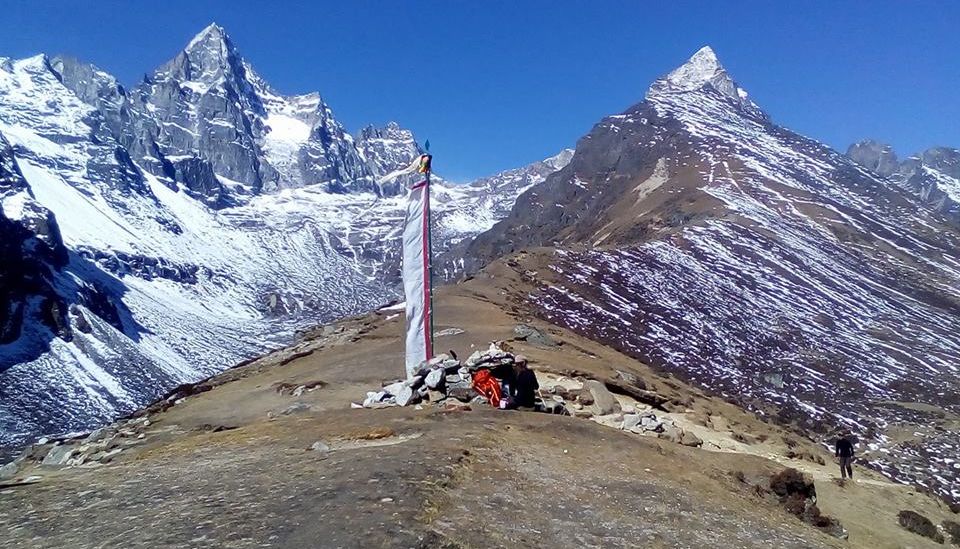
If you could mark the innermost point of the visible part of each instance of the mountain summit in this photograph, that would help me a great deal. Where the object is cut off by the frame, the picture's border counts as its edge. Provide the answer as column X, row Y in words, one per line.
column 702, row 72
column 209, row 57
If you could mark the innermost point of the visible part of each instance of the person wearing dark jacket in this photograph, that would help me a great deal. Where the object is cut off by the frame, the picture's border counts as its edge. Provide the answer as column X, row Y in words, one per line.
column 844, row 454
column 526, row 387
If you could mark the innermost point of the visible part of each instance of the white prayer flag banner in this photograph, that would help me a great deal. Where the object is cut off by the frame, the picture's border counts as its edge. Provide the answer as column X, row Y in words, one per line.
column 416, row 276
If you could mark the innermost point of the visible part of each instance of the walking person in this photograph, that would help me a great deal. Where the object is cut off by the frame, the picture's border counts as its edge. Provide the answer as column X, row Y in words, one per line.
column 844, row 454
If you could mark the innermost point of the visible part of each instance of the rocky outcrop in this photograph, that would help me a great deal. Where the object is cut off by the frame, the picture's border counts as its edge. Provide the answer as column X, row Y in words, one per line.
column 387, row 149
column 33, row 251
column 875, row 156
column 932, row 176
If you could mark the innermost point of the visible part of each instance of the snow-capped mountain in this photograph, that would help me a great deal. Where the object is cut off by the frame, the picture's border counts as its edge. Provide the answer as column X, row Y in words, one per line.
column 933, row 176
column 694, row 234
column 161, row 233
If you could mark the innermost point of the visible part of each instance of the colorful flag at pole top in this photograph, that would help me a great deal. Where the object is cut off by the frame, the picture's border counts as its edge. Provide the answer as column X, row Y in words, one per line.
column 425, row 160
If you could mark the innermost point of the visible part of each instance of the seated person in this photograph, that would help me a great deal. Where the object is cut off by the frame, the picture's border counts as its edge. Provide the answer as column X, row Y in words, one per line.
column 526, row 386
column 508, row 378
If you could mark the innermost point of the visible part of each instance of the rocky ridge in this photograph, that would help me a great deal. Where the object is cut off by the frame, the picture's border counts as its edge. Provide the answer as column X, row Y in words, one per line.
column 932, row 176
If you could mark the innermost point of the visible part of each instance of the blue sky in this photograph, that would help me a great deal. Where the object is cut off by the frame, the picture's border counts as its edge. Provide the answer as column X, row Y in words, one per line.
column 499, row 84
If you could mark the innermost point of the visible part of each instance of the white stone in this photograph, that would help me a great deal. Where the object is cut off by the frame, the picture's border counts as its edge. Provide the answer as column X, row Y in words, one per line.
column 9, row 470
column 394, row 388
column 405, row 396
column 434, row 378
column 58, row 455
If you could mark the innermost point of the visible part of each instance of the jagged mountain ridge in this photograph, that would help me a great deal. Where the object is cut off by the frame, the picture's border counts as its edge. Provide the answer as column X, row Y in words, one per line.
column 933, row 176
column 693, row 233
column 202, row 217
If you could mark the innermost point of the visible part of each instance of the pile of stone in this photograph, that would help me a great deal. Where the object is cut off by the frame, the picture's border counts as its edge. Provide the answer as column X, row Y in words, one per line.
column 92, row 450
column 446, row 381
column 443, row 380
column 593, row 400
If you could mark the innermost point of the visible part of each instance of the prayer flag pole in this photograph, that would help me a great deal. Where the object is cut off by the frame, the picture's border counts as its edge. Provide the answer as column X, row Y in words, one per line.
column 417, row 269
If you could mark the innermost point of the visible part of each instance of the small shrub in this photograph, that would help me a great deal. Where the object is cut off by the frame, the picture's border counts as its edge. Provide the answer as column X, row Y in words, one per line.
column 795, row 504
column 920, row 525
column 953, row 529
column 789, row 482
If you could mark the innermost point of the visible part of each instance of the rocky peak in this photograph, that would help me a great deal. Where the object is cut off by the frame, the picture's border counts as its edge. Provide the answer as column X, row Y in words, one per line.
column 208, row 55
column 701, row 72
column 93, row 86
column 943, row 159
column 387, row 149
column 875, row 156
column 702, row 68
column 559, row 160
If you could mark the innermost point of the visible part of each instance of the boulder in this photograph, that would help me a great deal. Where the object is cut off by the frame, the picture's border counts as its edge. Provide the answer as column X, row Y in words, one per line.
column 671, row 432
column 393, row 388
column 407, row 396
column 414, row 382
column 59, row 455
column 580, row 412
column 36, row 452
column 320, row 446
column 9, row 470
column 296, row 408
column 107, row 457
column 453, row 378
column 100, row 434
column 437, row 360
column 610, row 420
column 649, row 422
column 630, row 421
column 533, row 336
column 687, row 438
column 462, row 391
column 474, row 358
column 435, row 396
column 435, row 379
column 603, row 400
column 451, row 366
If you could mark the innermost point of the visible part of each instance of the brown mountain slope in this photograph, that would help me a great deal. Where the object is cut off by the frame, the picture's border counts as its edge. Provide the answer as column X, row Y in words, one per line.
column 227, row 468
column 695, row 235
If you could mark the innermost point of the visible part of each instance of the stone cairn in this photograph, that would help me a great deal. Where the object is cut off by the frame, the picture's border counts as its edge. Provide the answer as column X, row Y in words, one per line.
column 442, row 380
